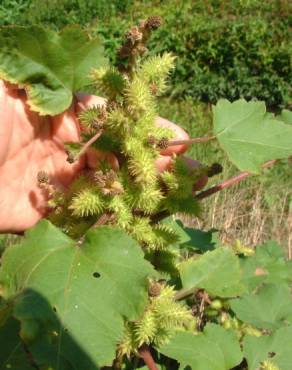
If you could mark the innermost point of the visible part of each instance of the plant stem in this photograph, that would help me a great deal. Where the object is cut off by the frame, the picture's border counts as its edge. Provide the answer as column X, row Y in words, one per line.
column 191, row 141
column 183, row 293
column 145, row 353
column 206, row 193
column 88, row 144
column 118, row 363
column 229, row 182
column 30, row 358
column 159, row 216
column 103, row 219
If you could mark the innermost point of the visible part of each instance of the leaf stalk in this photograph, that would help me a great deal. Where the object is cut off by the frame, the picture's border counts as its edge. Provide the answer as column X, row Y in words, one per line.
column 145, row 354
column 191, row 141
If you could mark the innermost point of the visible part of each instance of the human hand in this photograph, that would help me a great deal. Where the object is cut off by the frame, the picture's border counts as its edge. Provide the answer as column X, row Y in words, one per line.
column 30, row 143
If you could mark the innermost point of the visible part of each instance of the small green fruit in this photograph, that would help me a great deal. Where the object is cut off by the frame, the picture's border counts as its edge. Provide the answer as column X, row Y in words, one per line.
column 211, row 312
column 216, row 304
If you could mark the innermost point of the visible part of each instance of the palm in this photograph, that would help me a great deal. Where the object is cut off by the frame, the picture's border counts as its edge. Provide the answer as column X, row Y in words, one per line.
column 30, row 143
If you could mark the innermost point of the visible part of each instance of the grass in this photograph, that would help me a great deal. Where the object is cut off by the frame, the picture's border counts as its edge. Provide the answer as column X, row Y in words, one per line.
column 254, row 211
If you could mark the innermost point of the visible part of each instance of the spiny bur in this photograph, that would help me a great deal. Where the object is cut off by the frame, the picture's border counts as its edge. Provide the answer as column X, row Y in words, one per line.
column 161, row 318
column 132, row 192
column 127, row 120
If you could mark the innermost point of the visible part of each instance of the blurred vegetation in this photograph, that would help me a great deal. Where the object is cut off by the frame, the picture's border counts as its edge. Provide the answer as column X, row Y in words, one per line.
column 229, row 49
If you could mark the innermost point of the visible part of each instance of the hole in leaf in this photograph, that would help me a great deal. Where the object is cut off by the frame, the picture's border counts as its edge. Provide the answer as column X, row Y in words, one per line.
column 54, row 309
column 96, row 274
column 272, row 354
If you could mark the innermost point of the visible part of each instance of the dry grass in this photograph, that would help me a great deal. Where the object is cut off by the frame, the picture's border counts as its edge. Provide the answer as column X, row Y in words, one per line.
column 241, row 213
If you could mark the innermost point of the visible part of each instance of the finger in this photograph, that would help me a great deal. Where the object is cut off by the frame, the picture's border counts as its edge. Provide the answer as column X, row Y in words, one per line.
column 179, row 134
column 7, row 110
column 193, row 164
column 164, row 163
column 66, row 126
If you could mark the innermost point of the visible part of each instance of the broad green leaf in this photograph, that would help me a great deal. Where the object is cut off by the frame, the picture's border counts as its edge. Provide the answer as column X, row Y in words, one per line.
column 268, row 308
column 216, row 271
column 77, row 294
column 267, row 265
column 275, row 348
column 6, row 240
column 12, row 354
column 214, row 349
column 5, row 311
column 249, row 136
column 51, row 66
column 178, row 227
column 286, row 116
column 200, row 241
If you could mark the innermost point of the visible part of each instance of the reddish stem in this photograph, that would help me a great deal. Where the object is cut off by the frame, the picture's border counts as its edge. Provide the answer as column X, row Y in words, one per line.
column 30, row 357
column 206, row 193
column 145, row 353
column 88, row 144
column 103, row 219
column 191, row 141
column 229, row 182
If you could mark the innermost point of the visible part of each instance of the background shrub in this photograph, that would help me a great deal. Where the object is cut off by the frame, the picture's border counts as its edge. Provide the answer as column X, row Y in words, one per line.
column 224, row 49
column 228, row 48
column 59, row 13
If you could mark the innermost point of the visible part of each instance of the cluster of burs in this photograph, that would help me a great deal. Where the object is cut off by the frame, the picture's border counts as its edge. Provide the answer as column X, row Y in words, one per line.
column 129, row 193
column 126, row 190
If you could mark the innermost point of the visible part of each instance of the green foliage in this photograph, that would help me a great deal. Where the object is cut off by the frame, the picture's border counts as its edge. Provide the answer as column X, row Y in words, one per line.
column 88, row 295
column 12, row 354
column 97, row 283
column 224, row 50
column 243, row 50
column 218, row 272
column 214, row 349
column 250, row 135
column 108, row 257
column 268, row 265
column 51, row 66
column 274, row 349
column 230, row 50
column 267, row 308
column 286, row 116
column 59, row 13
